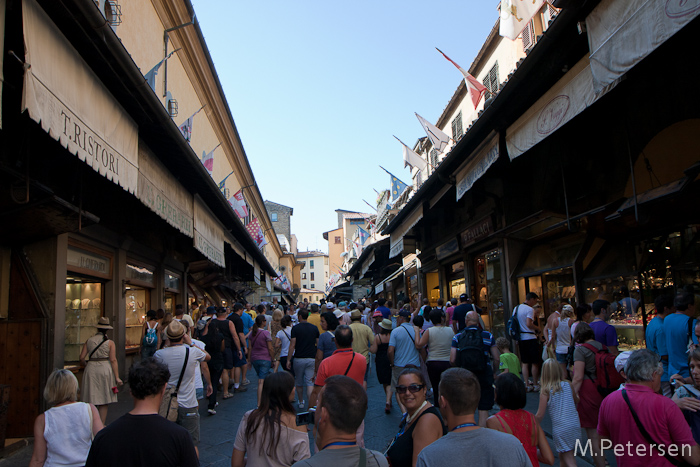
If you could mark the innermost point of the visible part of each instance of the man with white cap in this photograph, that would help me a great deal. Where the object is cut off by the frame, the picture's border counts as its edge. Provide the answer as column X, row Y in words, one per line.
column 620, row 362
column 183, row 355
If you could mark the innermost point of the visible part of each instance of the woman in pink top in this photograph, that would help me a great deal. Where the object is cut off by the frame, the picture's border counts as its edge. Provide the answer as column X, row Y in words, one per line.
column 261, row 351
column 450, row 310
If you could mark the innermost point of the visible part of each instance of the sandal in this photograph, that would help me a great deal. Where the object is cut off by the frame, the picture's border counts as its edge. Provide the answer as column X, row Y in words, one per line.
column 228, row 395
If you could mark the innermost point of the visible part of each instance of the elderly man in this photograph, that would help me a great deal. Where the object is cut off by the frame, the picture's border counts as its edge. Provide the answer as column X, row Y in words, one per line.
column 342, row 404
column 642, row 426
column 479, row 365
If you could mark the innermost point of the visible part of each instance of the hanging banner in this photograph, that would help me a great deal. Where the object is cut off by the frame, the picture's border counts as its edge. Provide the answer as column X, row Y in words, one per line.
column 208, row 233
column 396, row 239
column 163, row 194
column 621, row 33
column 379, row 288
column 72, row 105
column 256, row 273
column 267, row 283
column 480, row 162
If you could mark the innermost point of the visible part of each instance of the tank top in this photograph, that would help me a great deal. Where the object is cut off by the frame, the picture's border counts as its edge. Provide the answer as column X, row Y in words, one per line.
column 439, row 343
column 563, row 336
column 401, row 452
column 521, row 424
column 222, row 326
column 68, row 447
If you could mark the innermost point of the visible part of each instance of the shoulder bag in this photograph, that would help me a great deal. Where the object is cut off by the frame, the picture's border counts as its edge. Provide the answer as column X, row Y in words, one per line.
column 104, row 339
column 169, row 405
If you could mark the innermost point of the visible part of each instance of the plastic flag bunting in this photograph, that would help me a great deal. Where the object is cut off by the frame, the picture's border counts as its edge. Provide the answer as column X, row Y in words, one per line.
column 435, row 134
column 474, row 88
column 515, row 15
column 237, row 202
column 412, row 159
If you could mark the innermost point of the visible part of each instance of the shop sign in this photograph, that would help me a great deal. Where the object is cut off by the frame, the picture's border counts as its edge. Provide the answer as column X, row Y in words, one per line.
column 447, row 248
column 172, row 281
column 477, row 232
column 481, row 162
column 208, row 249
column 367, row 264
column 159, row 203
column 208, row 233
column 267, row 283
column 379, row 288
column 256, row 273
column 396, row 249
column 91, row 262
column 139, row 273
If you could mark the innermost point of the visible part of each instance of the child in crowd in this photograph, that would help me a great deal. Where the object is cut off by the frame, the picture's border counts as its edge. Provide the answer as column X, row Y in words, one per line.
column 510, row 363
column 557, row 395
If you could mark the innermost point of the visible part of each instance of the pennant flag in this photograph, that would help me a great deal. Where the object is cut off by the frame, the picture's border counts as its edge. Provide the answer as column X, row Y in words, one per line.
column 256, row 233
column 435, row 134
column 397, row 186
column 208, row 161
column 474, row 88
column 186, row 128
column 412, row 159
column 364, row 235
column 237, row 202
column 222, row 185
column 151, row 75
column 515, row 15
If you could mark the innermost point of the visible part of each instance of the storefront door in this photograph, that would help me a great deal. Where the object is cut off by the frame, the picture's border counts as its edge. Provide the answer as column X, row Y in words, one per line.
column 488, row 290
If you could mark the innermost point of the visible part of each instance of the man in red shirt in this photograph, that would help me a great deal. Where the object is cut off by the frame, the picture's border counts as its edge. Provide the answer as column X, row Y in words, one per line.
column 344, row 361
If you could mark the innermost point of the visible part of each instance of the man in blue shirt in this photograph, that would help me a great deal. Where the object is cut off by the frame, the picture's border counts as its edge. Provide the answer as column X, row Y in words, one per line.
column 485, row 378
column 386, row 312
column 402, row 350
column 678, row 328
column 656, row 339
column 604, row 333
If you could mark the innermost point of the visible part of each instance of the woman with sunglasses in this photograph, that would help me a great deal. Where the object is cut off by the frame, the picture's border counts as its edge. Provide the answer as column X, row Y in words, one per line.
column 420, row 426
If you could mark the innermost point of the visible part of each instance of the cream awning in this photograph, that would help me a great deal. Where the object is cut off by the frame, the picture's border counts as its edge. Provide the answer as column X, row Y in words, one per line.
column 479, row 163
column 396, row 239
column 621, row 33
column 208, row 233
column 570, row 96
column 163, row 194
column 72, row 105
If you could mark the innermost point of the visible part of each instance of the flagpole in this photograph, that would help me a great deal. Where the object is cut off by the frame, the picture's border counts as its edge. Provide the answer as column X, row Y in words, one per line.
column 369, row 205
column 227, row 176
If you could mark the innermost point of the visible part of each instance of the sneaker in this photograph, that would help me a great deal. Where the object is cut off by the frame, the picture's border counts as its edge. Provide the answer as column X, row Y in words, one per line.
column 246, row 382
column 301, row 405
column 240, row 389
column 211, row 411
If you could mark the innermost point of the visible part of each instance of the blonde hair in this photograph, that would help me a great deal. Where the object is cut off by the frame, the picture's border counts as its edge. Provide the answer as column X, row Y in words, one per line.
column 277, row 315
column 567, row 311
column 550, row 382
column 61, row 386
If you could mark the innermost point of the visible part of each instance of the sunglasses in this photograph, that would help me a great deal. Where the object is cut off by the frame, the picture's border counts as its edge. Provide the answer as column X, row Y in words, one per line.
column 414, row 388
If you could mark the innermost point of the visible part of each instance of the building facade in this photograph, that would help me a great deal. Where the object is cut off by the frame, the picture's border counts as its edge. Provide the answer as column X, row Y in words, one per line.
column 315, row 271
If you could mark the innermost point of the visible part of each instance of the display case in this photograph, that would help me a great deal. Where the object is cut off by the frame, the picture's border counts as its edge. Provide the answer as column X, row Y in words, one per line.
column 137, row 299
column 84, row 305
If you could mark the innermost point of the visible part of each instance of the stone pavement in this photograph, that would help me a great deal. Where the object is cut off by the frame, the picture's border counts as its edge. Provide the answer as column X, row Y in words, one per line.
column 218, row 432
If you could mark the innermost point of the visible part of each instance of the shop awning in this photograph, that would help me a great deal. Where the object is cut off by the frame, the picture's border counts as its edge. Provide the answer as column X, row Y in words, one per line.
column 396, row 244
column 63, row 95
column 479, row 162
column 570, row 96
column 208, row 233
column 551, row 256
column 621, row 33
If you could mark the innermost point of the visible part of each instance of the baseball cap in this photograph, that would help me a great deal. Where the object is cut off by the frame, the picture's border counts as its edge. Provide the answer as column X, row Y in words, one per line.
column 377, row 313
column 463, row 297
column 330, row 305
column 342, row 304
column 621, row 359
column 405, row 313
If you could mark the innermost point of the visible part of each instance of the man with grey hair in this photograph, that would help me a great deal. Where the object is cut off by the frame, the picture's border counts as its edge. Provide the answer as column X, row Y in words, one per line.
column 639, row 423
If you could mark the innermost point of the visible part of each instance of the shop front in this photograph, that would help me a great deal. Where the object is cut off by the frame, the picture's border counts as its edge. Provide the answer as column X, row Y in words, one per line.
column 140, row 282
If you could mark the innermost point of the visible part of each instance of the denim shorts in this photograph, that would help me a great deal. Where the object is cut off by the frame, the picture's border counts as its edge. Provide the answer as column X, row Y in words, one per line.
column 200, row 393
column 262, row 368
column 561, row 357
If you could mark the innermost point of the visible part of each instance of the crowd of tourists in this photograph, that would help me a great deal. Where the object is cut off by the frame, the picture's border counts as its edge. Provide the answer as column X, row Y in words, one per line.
column 457, row 387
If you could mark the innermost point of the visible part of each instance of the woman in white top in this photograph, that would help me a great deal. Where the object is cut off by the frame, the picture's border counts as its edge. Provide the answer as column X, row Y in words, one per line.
column 438, row 338
column 63, row 434
column 269, row 435
column 561, row 337
column 282, row 340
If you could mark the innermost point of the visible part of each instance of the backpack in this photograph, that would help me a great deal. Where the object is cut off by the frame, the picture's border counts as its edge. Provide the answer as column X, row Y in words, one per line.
column 212, row 341
column 607, row 378
column 513, row 325
column 150, row 338
column 470, row 351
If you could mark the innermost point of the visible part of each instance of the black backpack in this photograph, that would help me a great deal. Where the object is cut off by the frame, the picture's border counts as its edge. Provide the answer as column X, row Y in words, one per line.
column 213, row 340
column 513, row 326
column 470, row 351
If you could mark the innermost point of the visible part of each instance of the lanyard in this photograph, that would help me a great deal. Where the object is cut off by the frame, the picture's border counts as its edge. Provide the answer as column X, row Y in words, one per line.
column 340, row 443
column 463, row 425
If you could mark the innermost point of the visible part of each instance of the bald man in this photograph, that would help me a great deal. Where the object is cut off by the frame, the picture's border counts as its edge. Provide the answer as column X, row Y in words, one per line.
column 485, row 377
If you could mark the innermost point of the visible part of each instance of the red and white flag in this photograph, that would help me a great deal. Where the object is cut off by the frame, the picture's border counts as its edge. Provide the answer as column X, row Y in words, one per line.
column 186, row 127
column 256, row 233
column 237, row 202
column 208, row 160
column 474, row 88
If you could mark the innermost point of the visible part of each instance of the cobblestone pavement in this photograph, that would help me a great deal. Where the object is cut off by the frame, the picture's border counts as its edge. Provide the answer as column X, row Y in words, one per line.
column 218, row 432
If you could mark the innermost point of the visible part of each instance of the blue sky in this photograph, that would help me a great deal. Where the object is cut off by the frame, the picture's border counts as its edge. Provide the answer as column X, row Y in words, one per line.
column 317, row 89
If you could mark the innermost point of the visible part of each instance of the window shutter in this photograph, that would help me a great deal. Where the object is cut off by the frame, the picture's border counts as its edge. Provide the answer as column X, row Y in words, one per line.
column 528, row 36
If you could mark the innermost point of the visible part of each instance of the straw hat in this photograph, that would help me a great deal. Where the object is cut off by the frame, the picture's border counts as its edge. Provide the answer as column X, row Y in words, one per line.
column 385, row 324
column 103, row 323
column 175, row 331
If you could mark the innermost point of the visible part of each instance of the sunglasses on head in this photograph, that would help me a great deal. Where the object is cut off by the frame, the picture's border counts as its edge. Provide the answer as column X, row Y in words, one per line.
column 414, row 388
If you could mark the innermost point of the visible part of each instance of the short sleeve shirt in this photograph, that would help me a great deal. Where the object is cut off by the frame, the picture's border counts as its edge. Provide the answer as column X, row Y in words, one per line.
column 362, row 338
column 326, row 344
column 486, row 336
column 511, row 362
column 587, row 356
column 342, row 361
column 386, row 313
column 237, row 323
column 258, row 346
column 284, row 336
column 524, row 312
column 676, row 331
column 247, row 322
column 448, row 312
column 604, row 333
column 174, row 358
column 315, row 319
column 402, row 339
column 305, row 334
column 656, row 341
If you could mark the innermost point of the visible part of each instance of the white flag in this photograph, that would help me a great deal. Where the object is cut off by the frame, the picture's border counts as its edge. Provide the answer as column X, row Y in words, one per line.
column 412, row 159
column 435, row 134
column 516, row 14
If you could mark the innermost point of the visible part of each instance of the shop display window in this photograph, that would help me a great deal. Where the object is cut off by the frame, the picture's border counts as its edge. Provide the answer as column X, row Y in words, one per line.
column 84, row 307
column 137, row 303
column 490, row 294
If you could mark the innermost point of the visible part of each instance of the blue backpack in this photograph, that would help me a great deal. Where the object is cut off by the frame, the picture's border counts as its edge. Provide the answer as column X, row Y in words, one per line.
column 513, row 326
column 150, row 338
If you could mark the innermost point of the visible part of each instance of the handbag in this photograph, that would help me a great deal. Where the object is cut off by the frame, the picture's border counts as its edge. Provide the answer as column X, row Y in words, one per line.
column 647, row 436
column 169, row 405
